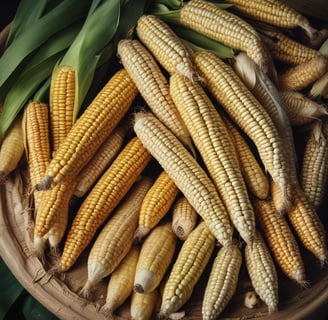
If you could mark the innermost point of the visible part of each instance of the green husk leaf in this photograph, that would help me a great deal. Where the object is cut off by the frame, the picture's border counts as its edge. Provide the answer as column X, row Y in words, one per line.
column 171, row 4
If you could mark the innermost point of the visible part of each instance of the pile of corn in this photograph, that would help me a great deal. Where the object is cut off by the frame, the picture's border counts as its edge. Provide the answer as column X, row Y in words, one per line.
column 186, row 155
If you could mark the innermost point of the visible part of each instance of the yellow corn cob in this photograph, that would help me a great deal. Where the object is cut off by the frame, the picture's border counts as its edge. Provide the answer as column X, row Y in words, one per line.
column 155, row 257
column 37, row 143
column 288, row 50
column 222, row 282
column 152, row 85
column 103, row 198
column 168, row 49
column 245, row 110
column 143, row 305
column 62, row 98
column 314, row 170
column 262, row 272
column 184, row 217
column 187, row 269
column 120, row 284
column 223, row 26
column 301, row 109
column 116, row 238
column 303, row 75
column 187, row 174
column 214, row 143
column 12, row 148
column 100, row 161
column 156, row 205
column 91, row 129
column 255, row 178
column 280, row 240
column 308, row 227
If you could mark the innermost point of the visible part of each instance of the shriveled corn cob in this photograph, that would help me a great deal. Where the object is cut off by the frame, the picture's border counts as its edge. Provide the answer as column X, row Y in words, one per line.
column 308, row 227
column 184, row 217
column 255, row 178
column 156, row 204
column 301, row 109
column 225, row 27
column 245, row 110
column 262, row 272
column 62, row 101
column 152, row 85
column 143, row 305
column 103, row 198
column 12, row 148
column 155, row 257
column 116, row 238
column 222, row 282
column 280, row 240
column 187, row 269
column 314, row 170
column 168, row 49
column 120, row 284
column 91, row 129
column 303, row 75
column 276, row 13
column 106, row 153
column 188, row 175
column 214, row 143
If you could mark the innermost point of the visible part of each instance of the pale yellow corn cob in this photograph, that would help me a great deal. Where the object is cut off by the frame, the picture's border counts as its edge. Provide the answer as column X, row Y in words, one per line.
column 225, row 27
column 156, row 204
column 222, row 282
column 245, row 110
column 91, row 129
column 187, row 269
column 152, row 85
column 103, row 198
column 255, row 178
column 262, row 272
column 187, row 174
column 143, row 305
column 106, row 153
column 155, row 257
column 168, row 49
column 120, row 284
column 280, row 239
column 184, row 217
column 314, row 170
column 214, row 143
column 116, row 237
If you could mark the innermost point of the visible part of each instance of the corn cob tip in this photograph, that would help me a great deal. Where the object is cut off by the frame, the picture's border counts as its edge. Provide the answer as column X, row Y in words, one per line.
column 107, row 311
column 251, row 300
column 138, row 288
column 39, row 244
column 140, row 233
column 85, row 292
column 44, row 184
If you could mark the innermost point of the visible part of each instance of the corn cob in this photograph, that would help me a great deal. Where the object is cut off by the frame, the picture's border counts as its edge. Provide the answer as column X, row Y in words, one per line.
column 155, row 257
column 184, row 217
column 276, row 13
column 12, row 148
column 300, row 109
column 116, row 238
column 319, row 88
column 156, row 205
column 91, row 129
column 106, row 153
column 247, row 113
column 120, row 284
column 222, row 282
column 214, row 143
column 314, row 170
column 280, row 240
column 262, row 272
column 255, row 178
column 188, row 267
column 143, row 305
column 225, row 27
column 301, row 76
column 103, row 198
column 187, row 174
column 168, row 49
column 152, row 85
